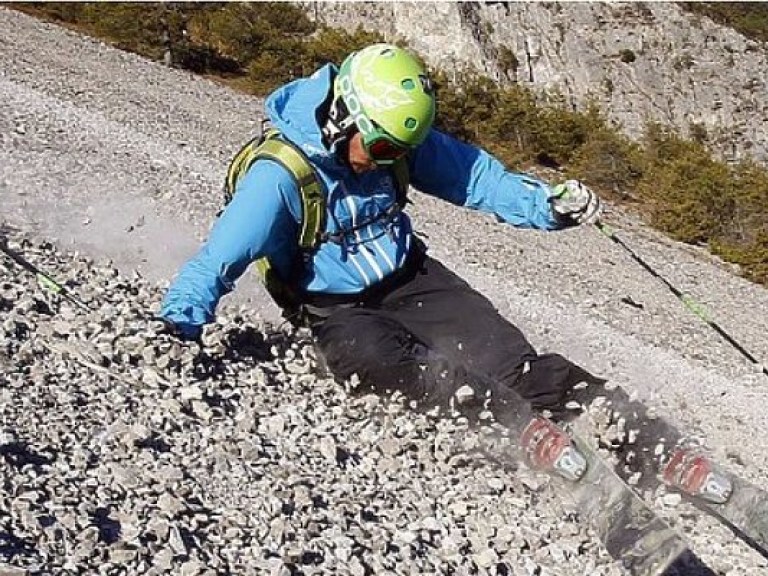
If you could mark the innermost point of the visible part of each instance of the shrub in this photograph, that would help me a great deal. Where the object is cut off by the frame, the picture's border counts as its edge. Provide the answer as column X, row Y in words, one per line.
column 748, row 18
column 508, row 62
column 689, row 194
column 627, row 56
column 609, row 162
column 744, row 240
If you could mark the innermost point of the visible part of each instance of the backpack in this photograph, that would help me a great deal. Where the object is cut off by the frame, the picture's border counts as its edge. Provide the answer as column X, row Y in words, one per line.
column 271, row 145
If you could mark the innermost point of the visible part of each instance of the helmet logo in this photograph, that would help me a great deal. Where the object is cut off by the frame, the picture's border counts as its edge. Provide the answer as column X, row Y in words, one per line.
column 383, row 95
column 378, row 94
column 354, row 106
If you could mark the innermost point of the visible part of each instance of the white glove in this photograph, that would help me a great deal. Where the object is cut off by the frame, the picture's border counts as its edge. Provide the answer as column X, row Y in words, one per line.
column 573, row 203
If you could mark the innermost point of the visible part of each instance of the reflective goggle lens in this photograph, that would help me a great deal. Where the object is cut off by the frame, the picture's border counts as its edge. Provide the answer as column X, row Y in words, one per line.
column 385, row 150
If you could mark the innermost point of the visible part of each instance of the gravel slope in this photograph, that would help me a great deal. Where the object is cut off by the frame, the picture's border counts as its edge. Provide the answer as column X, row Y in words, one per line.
column 115, row 157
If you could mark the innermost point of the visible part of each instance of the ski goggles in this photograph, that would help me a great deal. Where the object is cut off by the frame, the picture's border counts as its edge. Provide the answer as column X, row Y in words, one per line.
column 382, row 148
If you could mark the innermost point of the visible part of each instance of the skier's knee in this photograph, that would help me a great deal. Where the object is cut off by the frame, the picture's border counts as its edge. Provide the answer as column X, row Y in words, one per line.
column 547, row 381
column 358, row 342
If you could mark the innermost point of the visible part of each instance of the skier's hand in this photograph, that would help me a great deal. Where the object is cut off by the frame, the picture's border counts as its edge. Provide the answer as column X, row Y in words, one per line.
column 574, row 204
column 182, row 330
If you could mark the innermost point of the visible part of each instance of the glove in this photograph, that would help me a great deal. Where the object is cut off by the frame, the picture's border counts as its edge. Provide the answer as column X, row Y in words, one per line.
column 574, row 204
column 182, row 330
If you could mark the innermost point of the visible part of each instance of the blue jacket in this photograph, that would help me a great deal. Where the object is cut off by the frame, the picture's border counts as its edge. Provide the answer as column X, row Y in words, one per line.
column 262, row 219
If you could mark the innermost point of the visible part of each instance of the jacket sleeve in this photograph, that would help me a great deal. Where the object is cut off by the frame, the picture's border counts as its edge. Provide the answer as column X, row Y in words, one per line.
column 466, row 175
column 261, row 220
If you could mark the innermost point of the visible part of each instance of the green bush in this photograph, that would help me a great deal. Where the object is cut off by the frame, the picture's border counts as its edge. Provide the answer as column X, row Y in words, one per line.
column 467, row 107
column 333, row 45
column 627, row 56
column 609, row 162
column 508, row 62
column 688, row 193
column 744, row 240
column 752, row 258
column 136, row 27
column 748, row 18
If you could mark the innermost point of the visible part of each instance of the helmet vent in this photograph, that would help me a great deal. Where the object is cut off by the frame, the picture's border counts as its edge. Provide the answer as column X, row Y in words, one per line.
column 408, row 84
column 411, row 123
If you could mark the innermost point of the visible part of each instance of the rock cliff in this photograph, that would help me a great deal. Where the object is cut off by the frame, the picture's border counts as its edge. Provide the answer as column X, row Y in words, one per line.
column 638, row 61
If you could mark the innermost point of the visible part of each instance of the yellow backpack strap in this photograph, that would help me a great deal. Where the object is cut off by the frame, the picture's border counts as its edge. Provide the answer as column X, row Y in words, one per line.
column 242, row 161
column 310, row 187
column 313, row 217
column 295, row 161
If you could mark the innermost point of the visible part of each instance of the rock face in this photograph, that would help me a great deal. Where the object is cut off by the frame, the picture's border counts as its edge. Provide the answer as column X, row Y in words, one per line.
column 638, row 61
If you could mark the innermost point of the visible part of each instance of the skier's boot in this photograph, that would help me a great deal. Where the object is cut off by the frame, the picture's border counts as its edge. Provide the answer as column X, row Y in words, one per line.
column 548, row 447
column 694, row 474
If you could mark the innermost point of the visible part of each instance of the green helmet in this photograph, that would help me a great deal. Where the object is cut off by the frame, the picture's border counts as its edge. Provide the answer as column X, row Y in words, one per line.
column 386, row 89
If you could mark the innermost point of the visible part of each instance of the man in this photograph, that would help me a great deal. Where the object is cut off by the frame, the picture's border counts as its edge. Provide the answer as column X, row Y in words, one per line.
column 377, row 304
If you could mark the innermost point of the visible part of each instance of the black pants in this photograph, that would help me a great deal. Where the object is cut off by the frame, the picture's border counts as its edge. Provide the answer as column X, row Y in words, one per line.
column 429, row 334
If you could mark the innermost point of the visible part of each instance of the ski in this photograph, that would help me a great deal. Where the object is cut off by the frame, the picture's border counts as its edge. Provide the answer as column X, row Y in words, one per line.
column 659, row 453
column 633, row 535
column 739, row 504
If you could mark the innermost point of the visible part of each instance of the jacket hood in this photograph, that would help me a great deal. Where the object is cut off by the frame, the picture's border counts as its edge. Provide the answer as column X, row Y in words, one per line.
column 294, row 110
